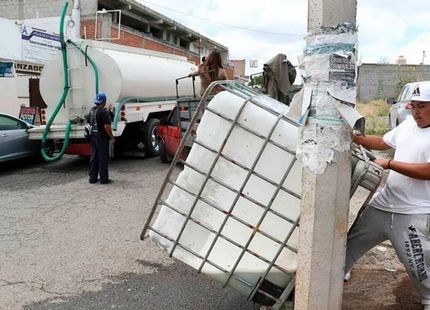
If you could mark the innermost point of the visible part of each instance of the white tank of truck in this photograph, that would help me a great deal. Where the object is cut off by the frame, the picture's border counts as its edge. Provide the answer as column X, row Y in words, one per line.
column 140, row 86
column 123, row 72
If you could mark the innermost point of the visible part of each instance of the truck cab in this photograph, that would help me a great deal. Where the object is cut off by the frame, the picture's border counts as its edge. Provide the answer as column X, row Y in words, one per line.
column 173, row 129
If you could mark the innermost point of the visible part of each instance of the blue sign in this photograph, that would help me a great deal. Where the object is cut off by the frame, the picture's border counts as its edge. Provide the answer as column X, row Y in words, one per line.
column 6, row 69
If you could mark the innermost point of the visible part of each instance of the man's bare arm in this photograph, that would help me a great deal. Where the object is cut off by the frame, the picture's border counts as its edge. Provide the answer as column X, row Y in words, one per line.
column 371, row 142
column 108, row 130
column 419, row 171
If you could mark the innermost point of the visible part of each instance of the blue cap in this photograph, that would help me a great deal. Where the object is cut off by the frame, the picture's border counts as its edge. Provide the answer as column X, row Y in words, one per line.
column 100, row 98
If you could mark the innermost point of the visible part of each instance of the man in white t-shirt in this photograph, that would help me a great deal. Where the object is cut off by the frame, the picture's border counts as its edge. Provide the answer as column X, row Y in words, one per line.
column 401, row 211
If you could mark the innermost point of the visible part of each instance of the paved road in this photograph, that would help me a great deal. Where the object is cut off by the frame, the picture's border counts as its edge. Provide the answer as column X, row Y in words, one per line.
column 66, row 244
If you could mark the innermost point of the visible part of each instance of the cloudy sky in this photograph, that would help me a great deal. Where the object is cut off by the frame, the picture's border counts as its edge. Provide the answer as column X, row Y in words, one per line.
column 258, row 30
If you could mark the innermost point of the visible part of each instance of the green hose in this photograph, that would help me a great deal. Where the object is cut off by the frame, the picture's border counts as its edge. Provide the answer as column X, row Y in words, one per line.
column 63, row 97
column 65, row 92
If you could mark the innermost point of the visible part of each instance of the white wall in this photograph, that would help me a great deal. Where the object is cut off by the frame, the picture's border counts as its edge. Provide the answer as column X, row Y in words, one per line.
column 10, row 42
column 10, row 49
column 14, row 91
column 11, row 89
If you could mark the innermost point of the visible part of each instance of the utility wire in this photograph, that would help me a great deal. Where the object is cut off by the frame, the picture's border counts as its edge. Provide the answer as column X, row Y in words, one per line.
column 224, row 24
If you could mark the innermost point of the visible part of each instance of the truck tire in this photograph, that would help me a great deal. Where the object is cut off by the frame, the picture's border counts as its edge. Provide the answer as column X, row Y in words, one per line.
column 164, row 157
column 150, row 137
column 50, row 148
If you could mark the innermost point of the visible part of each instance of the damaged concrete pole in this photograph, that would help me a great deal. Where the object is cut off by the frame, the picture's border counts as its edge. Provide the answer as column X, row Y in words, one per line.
column 328, row 67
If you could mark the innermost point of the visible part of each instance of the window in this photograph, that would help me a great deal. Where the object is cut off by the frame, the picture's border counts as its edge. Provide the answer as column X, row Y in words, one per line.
column 9, row 123
column 156, row 33
column 184, row 44
column 408, row 92
column 174, row 117
column 402, row 93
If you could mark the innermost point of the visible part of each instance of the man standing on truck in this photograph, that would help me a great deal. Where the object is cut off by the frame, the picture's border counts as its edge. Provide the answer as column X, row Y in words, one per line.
column 101, row 135
column 401, row 211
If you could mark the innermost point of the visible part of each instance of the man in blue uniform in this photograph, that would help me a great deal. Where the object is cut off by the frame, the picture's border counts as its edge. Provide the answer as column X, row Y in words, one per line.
column 101, row 134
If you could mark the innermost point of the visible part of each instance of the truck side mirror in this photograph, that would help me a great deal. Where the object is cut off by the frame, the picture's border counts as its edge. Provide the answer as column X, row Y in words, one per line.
column 391, row 101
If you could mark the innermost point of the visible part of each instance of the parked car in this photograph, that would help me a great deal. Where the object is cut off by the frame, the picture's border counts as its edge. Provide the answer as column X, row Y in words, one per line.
column 401, row 108
column 14, row 142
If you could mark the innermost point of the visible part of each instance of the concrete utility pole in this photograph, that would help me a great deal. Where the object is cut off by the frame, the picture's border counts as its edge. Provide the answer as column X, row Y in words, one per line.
column 329, row 62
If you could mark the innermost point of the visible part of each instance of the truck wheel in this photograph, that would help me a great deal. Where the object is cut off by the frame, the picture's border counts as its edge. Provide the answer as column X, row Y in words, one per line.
column 165, row 158
column 50, row 148
column 150, row 137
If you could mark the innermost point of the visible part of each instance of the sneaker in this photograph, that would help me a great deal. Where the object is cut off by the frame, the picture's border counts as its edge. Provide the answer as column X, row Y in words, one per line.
column 93, row 181
column 108, row 181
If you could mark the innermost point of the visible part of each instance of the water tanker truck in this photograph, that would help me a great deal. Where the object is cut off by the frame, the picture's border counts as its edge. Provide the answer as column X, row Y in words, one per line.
column 140, row 88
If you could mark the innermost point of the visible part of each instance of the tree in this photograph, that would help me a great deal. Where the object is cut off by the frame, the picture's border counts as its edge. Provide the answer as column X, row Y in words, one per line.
column 383, row 60
column 406, row 76
column 257, row 80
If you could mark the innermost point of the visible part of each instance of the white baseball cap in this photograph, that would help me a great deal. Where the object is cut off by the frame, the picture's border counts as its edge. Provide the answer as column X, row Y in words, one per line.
column 421, row 92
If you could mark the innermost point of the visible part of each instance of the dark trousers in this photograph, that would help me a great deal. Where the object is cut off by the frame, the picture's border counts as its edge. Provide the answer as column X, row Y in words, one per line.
column 99, row 159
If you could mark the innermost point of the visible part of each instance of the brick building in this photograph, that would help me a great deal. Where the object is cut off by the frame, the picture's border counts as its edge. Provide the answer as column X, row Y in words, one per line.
column 239, row 68
column 125, row 22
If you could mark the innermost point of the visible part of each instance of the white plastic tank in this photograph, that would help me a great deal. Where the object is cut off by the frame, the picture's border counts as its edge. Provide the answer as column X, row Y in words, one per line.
column 242, row 148
column 123, row 72
column 233, row 211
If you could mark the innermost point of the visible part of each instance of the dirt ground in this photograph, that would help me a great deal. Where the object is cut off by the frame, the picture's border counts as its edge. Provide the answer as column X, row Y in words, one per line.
column 379, row 289
column 378, row 279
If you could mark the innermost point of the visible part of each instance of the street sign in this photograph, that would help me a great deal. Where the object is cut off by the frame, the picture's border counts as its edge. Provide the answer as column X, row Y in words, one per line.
column 253, row 63
column 6, row 69
column 28, row 68
column 38, row 45
column 28, row 114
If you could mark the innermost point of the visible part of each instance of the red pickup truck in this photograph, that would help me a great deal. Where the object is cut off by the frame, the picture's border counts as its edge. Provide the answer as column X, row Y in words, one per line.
column 172, row 130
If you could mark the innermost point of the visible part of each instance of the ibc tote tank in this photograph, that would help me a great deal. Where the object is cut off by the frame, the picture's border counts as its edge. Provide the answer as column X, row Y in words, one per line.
column 251, row 196
column 123, row 72
column 233, row 211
